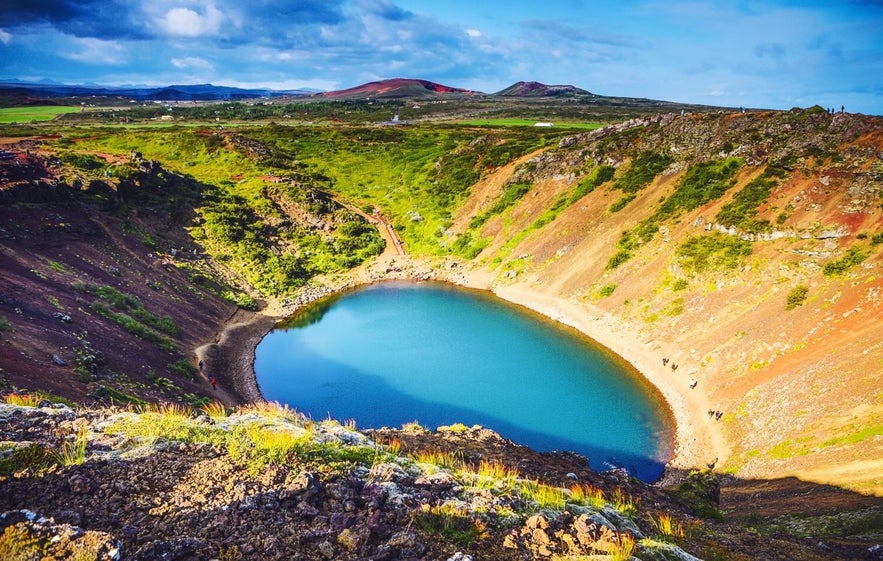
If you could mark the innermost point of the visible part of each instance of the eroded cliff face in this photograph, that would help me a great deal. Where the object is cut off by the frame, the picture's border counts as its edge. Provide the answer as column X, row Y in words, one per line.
column 761, row 282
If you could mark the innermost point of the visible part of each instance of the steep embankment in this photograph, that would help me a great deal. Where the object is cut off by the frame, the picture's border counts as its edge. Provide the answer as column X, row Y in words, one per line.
column 738, row 253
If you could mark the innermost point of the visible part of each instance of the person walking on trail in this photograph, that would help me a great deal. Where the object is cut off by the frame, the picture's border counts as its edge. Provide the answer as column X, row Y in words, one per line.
column 214, row 383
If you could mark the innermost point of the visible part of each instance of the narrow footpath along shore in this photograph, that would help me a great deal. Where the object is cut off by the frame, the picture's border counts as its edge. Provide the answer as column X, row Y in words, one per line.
column 698, row 441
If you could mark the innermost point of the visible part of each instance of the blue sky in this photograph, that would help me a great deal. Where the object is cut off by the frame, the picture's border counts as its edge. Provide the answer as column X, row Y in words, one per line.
column 773, row 54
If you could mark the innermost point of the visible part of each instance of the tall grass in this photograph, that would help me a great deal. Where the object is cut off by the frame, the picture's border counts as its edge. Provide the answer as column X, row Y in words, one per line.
column 623, row 547
column 73, row 451
column 489, row 475
column 588, row 495
column 545, row 496
column 624, row 503
column 23, row 399
column 667, row 526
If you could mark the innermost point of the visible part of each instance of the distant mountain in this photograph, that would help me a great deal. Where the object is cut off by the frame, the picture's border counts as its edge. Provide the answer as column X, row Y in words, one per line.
column 396, row 88
column 536, row 89
column 195, row 92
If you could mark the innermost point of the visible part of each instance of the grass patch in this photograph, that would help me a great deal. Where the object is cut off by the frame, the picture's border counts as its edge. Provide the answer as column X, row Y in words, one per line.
column 184, row 368
column 597, row 177
column 545, row 496
column 73, row 451
column 713, row 251
column 451, row 522
column 700, row 185
column 621, row 203
column 641, row 172
column 489, row 475
column 587, row 495
column 35, row 113
column 667, row 527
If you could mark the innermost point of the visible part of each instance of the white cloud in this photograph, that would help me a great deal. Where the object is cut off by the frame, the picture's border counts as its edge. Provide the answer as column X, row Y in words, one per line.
column 96, row 51
column 184, row 22
column 192, row 62
column 473, row 33
column 5, row 37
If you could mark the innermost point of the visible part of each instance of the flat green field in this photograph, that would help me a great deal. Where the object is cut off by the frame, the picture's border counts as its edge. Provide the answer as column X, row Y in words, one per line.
column 36, row 113
column 527, row 123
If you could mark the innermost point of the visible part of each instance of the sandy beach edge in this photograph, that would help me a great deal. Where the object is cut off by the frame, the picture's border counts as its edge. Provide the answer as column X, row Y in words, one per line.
column 698, row 443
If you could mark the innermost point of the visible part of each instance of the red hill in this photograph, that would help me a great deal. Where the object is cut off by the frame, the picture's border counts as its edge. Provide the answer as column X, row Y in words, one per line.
column 396, row 87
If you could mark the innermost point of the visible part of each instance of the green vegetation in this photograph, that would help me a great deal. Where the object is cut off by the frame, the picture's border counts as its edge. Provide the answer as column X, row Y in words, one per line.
column 853, row 256
column 184, row 368
column 451, row 522
column 797, row 296
column 505, row 122
column 712, row 252
column 621, row 203
column 597, row 177
column 34, row 113
column 741, row 212
column 83, row 162
column 606, row 290
column 700, row 185
column 701, row 494
column 512, row 192
column 641, row 171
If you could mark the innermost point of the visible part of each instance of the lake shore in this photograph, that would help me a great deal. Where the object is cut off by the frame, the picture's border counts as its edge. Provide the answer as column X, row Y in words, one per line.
column 698, row 442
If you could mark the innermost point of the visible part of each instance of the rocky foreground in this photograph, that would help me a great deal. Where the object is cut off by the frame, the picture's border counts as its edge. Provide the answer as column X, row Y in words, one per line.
column 265, row 483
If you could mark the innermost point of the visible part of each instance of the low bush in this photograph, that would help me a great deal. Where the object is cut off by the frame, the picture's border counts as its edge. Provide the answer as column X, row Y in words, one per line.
column 797, row 297
column 853, row 257
column 713, row 251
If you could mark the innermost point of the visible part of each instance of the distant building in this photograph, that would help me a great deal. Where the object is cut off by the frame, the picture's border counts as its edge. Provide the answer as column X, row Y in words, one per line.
column 542, row 124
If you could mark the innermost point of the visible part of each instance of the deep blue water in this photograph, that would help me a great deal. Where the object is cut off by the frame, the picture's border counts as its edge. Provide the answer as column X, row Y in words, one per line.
column 393, row 353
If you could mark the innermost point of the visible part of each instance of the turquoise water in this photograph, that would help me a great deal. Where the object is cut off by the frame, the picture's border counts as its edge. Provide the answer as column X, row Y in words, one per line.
column 393, row 353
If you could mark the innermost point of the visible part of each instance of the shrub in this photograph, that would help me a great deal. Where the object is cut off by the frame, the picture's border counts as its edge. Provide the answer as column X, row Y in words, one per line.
column 607, row 290
column 797, row 297
column 877, row 239
column 184, row 368
column 712, row 251
column 853, row 257
column 741, row 212
column 618, row 259
column 680, row 284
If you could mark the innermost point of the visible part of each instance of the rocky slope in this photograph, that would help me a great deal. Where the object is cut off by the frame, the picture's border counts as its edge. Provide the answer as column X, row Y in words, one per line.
column 265, row 483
